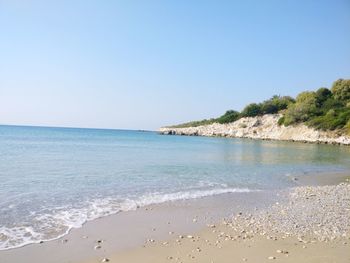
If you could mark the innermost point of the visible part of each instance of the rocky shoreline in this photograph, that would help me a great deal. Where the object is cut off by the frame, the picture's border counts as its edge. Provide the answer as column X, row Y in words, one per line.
column 264, row 127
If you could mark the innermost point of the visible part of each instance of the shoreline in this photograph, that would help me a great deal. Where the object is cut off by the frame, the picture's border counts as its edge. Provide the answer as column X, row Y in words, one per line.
column 135, row 227
column 301, row 179
column 311, row 225
column 263, row 127
column 151, row 225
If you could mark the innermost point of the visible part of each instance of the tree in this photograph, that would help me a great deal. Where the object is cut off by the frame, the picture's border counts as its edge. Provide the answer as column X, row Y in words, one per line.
column 276, row 104
column 252, row 110
column 303, row 109
column 269, row 107
column 229, row 116
column 282, row 102
column 341, row 90
column 322, row 95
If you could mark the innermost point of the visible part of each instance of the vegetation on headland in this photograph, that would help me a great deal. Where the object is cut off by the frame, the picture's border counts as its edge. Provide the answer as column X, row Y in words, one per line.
column 324, row 109
column 195, row 123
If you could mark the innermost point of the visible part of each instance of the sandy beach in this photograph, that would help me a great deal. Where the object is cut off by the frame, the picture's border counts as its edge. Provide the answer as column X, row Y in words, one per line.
column 301, row 224
column 310, row 225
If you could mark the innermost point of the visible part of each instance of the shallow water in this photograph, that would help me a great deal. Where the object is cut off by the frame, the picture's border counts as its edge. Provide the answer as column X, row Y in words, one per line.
column 53, row 179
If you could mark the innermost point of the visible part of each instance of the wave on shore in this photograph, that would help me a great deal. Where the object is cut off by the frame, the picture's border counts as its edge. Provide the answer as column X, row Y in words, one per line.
column 56, row 224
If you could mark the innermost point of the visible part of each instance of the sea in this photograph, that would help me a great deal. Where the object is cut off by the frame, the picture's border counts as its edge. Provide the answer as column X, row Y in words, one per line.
column 56, row 179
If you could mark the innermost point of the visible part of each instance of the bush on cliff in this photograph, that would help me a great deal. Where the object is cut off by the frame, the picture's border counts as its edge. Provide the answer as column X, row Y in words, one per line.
column 229, row 116
column 341, row 90
column 194, row 123
column 302, row 110
column 324, row 109
column 252, row 110
column 271, row 106
column 347, row 128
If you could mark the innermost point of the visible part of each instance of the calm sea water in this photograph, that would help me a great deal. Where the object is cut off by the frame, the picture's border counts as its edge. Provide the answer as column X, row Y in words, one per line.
column 55, row 179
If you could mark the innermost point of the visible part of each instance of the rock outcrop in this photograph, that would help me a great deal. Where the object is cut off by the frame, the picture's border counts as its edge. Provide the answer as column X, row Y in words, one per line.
column 262, row 127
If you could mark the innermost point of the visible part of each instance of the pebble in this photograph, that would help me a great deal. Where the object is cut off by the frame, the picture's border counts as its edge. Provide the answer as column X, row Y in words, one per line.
column 319, row 210
column 105, row 260
column 271, row 257
column 282, row 251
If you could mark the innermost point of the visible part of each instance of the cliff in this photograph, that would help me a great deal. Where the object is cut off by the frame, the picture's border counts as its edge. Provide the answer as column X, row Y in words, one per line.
column 262, row 127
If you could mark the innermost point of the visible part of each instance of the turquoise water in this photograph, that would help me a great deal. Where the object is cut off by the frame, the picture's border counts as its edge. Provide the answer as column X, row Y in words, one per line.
column 55, row 179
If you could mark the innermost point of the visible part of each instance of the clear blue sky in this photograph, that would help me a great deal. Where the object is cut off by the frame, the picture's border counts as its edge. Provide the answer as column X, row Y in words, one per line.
column 144, row 64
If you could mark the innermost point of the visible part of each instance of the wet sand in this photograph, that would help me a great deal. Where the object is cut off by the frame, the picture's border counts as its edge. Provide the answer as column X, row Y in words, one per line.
column 132, row 229
column 231, row 227
column 311, row 225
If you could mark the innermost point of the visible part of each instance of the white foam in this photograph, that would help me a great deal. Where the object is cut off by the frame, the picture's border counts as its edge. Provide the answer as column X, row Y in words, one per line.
column 66, row 219
column 156, row 198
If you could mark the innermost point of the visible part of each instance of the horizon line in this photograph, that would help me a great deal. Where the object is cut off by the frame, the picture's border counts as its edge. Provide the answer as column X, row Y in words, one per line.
column 72, row 127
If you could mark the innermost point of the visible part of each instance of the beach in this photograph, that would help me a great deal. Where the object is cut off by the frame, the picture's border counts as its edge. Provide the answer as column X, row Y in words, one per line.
column 301, row 224
column 311, row 225
column 89, row 195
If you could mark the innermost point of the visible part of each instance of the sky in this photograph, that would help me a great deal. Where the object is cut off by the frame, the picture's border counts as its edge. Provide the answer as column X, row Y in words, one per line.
column 144, row 64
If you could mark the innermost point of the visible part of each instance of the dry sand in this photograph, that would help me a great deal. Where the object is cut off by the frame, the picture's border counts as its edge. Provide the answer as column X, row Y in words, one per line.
column 312, row 224
column 204, row 248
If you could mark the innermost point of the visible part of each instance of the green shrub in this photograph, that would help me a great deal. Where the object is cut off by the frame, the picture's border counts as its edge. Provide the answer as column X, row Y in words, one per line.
column 347, row 127
column 269, row 107
column 341, row 89
column 282, row 102
column 303, row 109
column 333, row 119
column 281, row 121
column 322, row 95
column 252, row 110
column 229, row 116
column 194, row 123
column 275, row 104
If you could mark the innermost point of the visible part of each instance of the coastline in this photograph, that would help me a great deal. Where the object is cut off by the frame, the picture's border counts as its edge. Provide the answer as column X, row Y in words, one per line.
column 264, row 127
column 150, row 232
column 132, row 229
column 310, row 225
